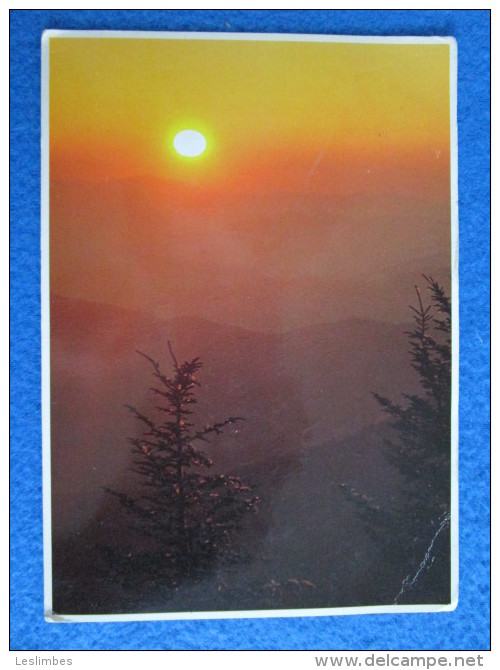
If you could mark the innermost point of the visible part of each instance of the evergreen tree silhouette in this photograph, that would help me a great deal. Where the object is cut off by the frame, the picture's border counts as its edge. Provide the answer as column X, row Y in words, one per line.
column 414, row 535
column 422, row 449
column 190, row 514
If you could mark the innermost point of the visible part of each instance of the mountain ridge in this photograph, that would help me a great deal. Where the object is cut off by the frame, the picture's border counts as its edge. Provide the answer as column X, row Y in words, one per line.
column 296, row 390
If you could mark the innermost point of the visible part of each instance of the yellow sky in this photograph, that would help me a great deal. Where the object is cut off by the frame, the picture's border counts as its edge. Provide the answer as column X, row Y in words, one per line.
column 326, row 163
column 251, row 99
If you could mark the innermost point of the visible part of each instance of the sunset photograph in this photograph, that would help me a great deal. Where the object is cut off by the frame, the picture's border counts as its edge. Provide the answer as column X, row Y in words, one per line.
column 250, row 253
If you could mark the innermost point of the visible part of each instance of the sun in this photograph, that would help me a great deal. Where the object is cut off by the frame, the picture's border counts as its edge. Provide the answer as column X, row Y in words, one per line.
column 190, row 143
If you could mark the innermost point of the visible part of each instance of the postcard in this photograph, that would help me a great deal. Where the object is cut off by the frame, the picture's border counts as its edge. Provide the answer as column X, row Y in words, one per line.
column 249, row 325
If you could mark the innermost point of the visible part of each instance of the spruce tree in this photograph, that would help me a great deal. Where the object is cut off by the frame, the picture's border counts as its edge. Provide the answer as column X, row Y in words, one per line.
column 413, row 534
column 190, row 514
column 422, row 423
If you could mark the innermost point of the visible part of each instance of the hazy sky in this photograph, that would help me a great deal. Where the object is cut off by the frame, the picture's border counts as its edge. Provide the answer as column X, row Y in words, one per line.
column 323, row 195
column 326, row 174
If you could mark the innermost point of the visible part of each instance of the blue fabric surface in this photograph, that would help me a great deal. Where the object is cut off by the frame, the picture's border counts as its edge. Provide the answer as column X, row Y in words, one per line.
column 468, row 626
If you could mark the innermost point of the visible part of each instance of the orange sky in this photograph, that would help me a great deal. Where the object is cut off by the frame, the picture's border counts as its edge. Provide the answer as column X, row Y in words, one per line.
column 324, row 160
column 121, row 101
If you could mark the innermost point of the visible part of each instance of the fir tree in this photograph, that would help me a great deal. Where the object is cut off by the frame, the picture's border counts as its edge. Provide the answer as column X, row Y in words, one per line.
column 190, row 514
column 414, row 534
column 422, row 422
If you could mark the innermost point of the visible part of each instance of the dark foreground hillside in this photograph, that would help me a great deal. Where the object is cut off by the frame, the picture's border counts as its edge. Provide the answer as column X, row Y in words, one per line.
column 310, row 426
column 306, row 549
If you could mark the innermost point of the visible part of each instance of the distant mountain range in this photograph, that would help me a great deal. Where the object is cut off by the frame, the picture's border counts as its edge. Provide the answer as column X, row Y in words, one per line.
column 269, row 261
column 296, row 390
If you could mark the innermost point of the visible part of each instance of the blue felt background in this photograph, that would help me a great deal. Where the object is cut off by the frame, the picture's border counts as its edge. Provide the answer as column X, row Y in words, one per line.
column 468, row 626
